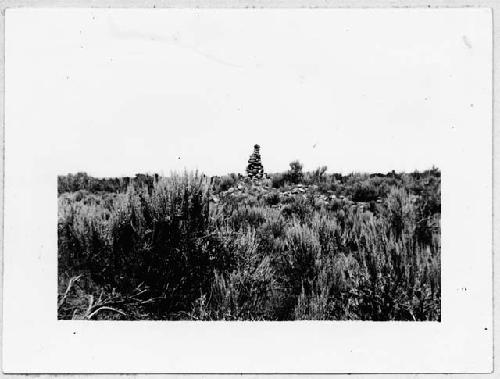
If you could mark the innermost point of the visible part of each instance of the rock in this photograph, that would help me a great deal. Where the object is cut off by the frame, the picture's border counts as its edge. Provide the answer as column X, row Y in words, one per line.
column 255, row 170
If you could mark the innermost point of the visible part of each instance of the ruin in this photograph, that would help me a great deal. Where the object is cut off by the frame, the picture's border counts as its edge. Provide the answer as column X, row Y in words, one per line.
column 255, row 170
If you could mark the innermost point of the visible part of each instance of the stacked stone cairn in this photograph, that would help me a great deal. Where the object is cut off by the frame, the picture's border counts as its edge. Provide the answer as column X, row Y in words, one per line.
column 255, row 170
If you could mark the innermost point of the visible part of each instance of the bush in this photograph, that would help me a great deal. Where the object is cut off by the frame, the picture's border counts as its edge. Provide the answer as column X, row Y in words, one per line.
column 162, row 240
column 225, row 182
column 169, row 252
column 277, row 180
column 272, row 198
column 318, row 176
column 295, row 174
column 364, row 192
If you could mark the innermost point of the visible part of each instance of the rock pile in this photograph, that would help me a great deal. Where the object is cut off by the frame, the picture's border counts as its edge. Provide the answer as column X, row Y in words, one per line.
column 255, row 170
column 252, row 191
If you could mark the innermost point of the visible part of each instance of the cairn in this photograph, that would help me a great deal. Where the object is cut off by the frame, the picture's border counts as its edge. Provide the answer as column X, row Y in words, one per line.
column 255, row 170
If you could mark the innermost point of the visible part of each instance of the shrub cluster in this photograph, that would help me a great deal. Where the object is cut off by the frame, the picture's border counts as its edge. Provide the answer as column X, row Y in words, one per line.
column 169, row 252
column 82, row 181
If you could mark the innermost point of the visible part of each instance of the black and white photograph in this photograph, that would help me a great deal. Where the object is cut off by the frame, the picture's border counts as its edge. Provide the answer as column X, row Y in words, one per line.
column 295, row 245
column 258, row 175
column 272, row 200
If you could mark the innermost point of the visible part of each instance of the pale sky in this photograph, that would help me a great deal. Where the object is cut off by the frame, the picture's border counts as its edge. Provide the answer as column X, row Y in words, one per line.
column 126, row 91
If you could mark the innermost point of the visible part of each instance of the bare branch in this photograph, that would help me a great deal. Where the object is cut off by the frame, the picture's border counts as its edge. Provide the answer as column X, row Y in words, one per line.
column 70, row 284
column 105, row 308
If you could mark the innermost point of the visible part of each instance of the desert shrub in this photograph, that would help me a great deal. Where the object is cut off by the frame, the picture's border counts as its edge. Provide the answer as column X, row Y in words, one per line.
column 225, row 182
column 401, row 213
column 161, row 239
column 313, row 307
column 365, row 192
column 248, row 216
column 165, row 250
column 277, row 180
column 295, row 174
column 272, row 198
column 318, row 176
column 83, row 240
column 246, row 292
column 329, row 234
column 297, row 207
column 83, row 181
column 304, row 249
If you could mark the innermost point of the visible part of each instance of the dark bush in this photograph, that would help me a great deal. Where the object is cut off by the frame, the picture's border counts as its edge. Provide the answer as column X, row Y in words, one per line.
column 272, row 198
column 364, row 192
column 277, row 180
column 295, row 174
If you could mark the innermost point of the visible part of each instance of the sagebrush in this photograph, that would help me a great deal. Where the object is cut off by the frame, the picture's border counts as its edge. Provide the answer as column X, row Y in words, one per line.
column 295, row 246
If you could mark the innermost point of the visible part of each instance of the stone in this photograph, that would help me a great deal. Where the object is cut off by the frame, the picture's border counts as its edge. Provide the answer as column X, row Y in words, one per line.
column 255, row 170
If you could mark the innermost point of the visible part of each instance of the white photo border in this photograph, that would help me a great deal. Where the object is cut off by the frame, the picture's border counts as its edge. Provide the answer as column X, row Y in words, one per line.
column 34, row 341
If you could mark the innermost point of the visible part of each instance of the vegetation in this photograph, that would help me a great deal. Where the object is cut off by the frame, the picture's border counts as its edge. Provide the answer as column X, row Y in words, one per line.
column 297, row 245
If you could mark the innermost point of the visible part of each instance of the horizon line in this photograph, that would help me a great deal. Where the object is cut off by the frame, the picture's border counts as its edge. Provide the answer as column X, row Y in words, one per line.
column 173, row 172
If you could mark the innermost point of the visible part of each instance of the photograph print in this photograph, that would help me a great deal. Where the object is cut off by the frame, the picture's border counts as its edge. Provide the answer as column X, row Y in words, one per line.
column 217, row 173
